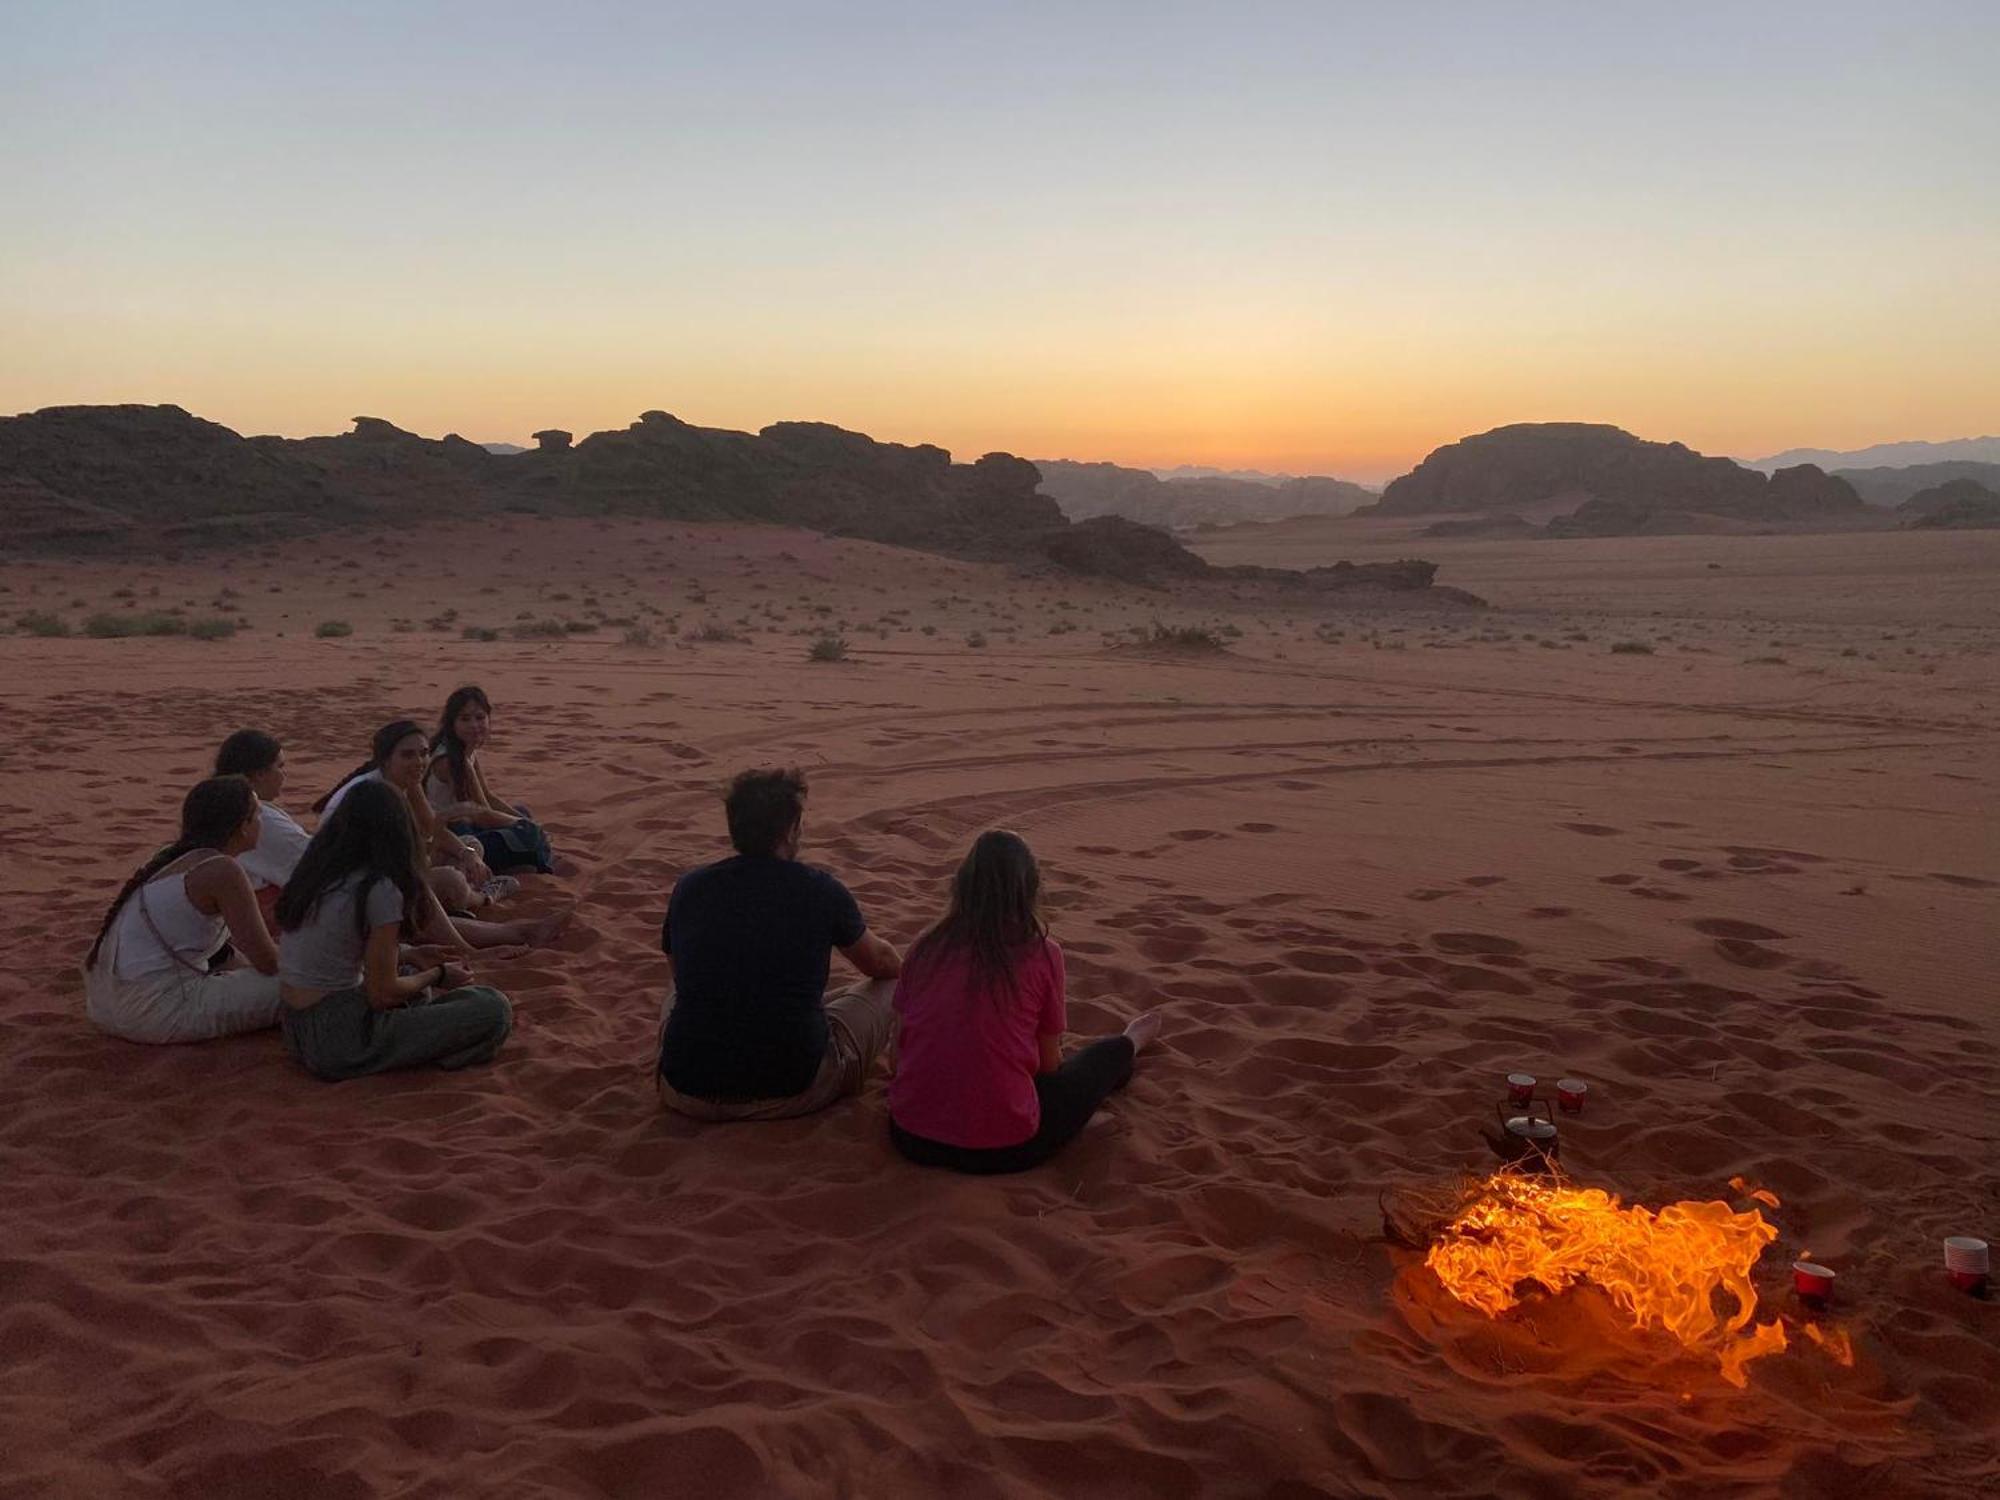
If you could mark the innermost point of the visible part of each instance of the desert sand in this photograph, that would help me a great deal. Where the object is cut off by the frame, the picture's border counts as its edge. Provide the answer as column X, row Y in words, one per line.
column 1741, row 881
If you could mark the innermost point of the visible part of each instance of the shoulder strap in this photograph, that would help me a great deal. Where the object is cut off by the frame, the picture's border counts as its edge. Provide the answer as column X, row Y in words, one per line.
column 146, row 915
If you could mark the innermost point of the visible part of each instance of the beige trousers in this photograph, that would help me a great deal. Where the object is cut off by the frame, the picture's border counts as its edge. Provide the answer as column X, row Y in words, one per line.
column 858, row 1023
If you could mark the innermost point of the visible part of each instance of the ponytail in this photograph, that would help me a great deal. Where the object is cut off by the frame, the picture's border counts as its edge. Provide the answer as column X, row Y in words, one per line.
column 140, row 876
column 361, row 770
column 387, row 738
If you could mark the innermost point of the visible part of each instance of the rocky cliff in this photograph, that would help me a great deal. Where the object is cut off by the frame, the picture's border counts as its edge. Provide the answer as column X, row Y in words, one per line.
column 1956, row 504
column 129, row 477
column 1626, row 481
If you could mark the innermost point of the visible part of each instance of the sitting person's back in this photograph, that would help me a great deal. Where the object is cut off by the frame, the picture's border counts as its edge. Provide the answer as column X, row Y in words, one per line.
column 747, row 1032
column 752, row 940
column 969, row 1046
column 981, row 1083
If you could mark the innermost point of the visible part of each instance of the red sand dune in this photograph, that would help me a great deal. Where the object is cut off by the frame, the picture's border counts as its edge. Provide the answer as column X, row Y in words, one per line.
column 1751, row 902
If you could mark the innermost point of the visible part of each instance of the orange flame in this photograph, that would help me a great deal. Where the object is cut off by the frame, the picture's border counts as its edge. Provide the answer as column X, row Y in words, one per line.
column 1661, row 1269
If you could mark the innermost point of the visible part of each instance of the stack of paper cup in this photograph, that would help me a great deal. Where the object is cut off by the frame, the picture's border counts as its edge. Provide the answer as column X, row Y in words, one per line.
column 1966, row 1262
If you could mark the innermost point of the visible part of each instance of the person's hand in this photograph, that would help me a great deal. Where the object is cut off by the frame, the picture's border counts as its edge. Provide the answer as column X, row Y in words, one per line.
column 455, row 976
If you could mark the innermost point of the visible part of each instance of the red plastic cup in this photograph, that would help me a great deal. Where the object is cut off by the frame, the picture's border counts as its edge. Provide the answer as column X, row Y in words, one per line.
column 1811, row 1281
column 1520, row 1088
column 1967, row 1262
column 1569, row 1094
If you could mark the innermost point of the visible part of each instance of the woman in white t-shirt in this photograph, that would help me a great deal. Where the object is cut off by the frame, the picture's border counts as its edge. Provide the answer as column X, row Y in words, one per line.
column 147, row 977
column 259, row 759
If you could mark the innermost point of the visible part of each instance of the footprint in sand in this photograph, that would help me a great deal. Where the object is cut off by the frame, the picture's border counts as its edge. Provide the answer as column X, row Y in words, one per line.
column 1545, row 913
column 1748, row 955
column 1256, row 827
column 1591, row 830
column 1189, row 835
column 1969, row 882
column 1478, row 882
column 1730, row 927
column 1680, row 864
column 1474, row 942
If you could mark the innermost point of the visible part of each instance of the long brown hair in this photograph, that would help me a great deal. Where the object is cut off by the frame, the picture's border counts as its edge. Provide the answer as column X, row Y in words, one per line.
column 387, row 738
column 994, row 913
column 448, row 747
column 210, row 815
column 368, row 835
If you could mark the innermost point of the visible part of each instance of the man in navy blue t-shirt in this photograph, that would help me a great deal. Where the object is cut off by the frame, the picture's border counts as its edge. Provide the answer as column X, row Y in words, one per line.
column 747, row 1033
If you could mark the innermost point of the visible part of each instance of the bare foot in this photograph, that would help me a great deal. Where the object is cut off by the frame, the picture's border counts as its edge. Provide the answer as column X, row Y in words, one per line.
column 1143, row 1029
column 545, row 930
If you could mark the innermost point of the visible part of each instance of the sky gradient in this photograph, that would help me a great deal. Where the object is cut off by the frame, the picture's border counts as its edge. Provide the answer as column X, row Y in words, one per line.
column 1310, row 237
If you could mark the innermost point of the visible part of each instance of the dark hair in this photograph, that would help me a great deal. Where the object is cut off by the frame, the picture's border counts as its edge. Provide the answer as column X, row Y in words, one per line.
column 370, row 832
column 387, row 738
column 762, row 807
column 447, row 743
column 247, row 752
column 210, row 814
column 993, row 914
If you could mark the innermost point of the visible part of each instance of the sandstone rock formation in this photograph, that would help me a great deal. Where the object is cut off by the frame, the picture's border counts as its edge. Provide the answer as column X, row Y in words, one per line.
column 108, row 477
column 1636, row 483
column 1956, row 504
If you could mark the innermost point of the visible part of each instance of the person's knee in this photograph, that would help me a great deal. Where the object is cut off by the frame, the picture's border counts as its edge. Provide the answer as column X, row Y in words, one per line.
column 494, row 1007
column 450, row 887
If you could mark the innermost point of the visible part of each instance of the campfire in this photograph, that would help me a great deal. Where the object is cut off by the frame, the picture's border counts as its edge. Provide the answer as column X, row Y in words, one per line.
column 1684, row 1269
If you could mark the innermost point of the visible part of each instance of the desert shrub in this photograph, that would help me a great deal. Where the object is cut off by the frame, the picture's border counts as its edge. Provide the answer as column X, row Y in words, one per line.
column 827, row 647
column 479, row 633
column 330, row 630
column 213, row 629
column 715, row 635
column 1764, row 661
column 116, row 627
column 1184, row 638
column 976, row 639
column 1631, row 648
column 638, row 635
column 41, row 622
column 538, row 630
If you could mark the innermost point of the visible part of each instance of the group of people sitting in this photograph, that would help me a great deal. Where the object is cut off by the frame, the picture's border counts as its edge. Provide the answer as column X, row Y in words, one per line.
column 378, row 910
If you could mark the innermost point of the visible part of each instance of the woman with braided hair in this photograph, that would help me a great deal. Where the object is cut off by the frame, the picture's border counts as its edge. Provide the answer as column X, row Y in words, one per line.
column 147, row 977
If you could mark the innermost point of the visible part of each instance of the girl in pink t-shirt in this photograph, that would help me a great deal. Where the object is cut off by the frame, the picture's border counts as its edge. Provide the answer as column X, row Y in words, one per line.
column 981, row 1084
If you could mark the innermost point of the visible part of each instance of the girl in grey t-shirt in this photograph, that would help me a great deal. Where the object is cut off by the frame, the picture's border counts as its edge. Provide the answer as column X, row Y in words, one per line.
column 341, row 920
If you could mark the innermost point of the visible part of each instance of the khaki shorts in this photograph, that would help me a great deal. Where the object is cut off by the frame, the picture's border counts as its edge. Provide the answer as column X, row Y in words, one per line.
column 858, row 1023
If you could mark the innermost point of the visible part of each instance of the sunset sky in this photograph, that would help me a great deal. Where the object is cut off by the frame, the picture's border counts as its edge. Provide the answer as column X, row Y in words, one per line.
column 1314, row 237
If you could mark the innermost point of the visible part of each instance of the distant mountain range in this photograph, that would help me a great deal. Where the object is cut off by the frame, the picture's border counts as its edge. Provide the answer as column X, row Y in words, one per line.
column 1985, row 450
column 1192, row 497
column 1891, row 487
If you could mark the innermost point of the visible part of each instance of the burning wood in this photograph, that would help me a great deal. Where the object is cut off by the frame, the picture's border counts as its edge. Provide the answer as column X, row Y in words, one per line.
column 1663, row 1270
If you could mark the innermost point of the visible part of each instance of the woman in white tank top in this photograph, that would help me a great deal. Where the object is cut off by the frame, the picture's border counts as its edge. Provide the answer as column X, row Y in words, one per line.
column 146, row 978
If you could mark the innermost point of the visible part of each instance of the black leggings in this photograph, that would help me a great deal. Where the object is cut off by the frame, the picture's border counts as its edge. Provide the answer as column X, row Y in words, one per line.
column 1069, row 1096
